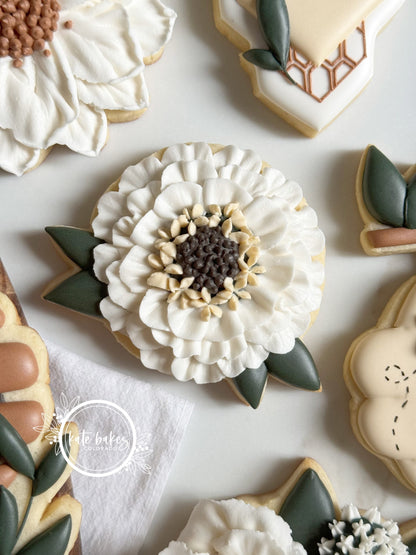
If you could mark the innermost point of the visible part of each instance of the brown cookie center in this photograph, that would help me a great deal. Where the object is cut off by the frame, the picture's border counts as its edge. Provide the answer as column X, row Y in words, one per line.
column 25, row 26
column 209, row 257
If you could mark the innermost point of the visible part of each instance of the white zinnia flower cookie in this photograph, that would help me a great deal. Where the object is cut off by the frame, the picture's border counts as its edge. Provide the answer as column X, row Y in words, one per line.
column 207, row 265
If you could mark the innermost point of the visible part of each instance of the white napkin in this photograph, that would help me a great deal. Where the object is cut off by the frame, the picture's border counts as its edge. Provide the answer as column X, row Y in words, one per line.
column 118, row 509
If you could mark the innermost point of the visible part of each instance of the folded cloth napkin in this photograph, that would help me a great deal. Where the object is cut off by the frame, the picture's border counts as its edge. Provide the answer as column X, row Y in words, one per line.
column 130, row 433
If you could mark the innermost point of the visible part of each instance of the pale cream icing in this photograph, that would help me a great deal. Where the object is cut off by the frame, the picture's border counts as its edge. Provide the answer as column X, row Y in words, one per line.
column 318, row 27
column 383, row 366
column 261, row 313
column 278, row 93
column 94, row 65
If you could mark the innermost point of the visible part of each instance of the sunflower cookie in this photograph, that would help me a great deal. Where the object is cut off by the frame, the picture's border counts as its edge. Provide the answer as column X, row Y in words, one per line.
column 301, row 517
column 68, row 68
column 386, row 204
column 380, row 373
column 205, row 263
column 32, row 471
column 306, row 60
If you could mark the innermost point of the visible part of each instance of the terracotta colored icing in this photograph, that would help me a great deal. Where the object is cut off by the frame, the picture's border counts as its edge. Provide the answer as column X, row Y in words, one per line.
column 2, row 318
column 7, row 475
column 384, row 368
column 391, row 237
column 25, row 416
column 317, row 28
column 18, row 366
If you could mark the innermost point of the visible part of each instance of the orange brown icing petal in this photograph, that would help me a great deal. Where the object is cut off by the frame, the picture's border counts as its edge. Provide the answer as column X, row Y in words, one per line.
column 25, row 417
column 18, row 366
column 7, row 475
column 391, row 237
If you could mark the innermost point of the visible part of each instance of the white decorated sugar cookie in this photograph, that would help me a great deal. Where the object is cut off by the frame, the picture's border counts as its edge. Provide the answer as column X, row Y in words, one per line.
column 380, row 372
column 205, row 263
column 324, row 47
column 68, row 68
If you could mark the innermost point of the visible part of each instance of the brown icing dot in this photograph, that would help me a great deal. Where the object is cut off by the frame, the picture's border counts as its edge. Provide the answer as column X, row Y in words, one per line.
column 18, row 366
column 21, row 20
column 68, row 24
column 24, row 416
column 7, row 475
column 391, row 237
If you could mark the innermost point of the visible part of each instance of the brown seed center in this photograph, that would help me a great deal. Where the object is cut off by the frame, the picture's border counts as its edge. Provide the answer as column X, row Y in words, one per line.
column 25, row 26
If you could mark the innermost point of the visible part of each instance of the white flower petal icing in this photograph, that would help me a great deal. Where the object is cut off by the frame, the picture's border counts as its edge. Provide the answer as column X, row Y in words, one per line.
column 97, row 64
column 15, row 157
column 233, row 527
column 196, row 335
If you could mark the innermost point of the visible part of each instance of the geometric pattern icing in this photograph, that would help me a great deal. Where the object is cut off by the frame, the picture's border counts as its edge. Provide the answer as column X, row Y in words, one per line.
column 320, row 81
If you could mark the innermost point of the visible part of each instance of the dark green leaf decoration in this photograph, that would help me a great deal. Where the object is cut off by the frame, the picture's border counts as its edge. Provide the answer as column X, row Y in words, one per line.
column 384, row 189
column 296, row 368
column 307, row 509
column 273, row 19
column 262, row 58
column 14, row 450
column 410, row 208
column 51, row 467
column 412, row 546
column 251, row 383
column 77, row 244
column 81, row 292
column 54, row 540
column 8, row 521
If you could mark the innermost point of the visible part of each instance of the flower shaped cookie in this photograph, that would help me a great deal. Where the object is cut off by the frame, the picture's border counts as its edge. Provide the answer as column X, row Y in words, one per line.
column 210, row 263
column 67, row 67
column 302, row 516
column 380, row 374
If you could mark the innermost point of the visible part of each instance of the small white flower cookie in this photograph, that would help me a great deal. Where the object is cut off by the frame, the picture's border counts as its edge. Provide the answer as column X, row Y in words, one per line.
column 380, row 373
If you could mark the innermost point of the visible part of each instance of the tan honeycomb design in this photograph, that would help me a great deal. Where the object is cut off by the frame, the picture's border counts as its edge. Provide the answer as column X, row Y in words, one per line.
column 320, row 81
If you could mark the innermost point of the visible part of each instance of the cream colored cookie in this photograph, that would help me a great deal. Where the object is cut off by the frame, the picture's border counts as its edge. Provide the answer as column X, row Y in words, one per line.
column 379, row 371
column 301, row 516
column 29, row 407
column 307, row 61
column 383, row 196
column 206, row 263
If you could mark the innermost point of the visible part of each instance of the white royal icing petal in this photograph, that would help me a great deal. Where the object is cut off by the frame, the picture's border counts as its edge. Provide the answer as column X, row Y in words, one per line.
column 15, row 157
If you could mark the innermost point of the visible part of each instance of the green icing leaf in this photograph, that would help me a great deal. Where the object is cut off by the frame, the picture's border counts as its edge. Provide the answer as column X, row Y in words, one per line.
column 273, row 19
column 296, row 368
column 412, row 546
column 307, row 509
column 77, row 244
column 14, row 449
column 384, row 189
column 51, row 468
column 251, row 383
column 8, row 521
column 410, row 208
column 262, row 58
column 54, row 540
column 81, row 292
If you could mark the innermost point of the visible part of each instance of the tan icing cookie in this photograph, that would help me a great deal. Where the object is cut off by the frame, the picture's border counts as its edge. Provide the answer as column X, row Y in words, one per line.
column 308, row 62
column 205, row 263
column 28, row 406
column 385, row 202
column 67, row 74
column 380, row 372
column 301, row 516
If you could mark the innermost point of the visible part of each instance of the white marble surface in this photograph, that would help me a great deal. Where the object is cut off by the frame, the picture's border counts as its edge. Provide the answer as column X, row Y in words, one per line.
column 199, row 92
